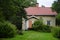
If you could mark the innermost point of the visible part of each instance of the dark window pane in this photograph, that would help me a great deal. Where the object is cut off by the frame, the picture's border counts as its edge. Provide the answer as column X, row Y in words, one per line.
column 48, row 23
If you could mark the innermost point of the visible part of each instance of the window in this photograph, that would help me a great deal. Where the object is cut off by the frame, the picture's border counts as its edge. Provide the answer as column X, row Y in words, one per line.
column 48, row 23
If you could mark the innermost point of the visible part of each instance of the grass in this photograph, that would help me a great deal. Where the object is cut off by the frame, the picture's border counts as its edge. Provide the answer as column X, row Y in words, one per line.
column 32, row 35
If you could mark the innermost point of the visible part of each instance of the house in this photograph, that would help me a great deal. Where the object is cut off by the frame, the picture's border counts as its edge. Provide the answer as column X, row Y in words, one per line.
column 35, row 13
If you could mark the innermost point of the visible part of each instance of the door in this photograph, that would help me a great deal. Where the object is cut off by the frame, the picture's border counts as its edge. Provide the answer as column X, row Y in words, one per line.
column 30, row 24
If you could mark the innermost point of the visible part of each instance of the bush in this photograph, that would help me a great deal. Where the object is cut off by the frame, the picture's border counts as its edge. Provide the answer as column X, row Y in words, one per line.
column 39, row 26
column 56, row 32
column 46, row 28
column 7, row 30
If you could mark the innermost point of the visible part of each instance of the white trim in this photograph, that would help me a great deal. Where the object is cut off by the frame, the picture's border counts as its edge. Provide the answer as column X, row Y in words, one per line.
column 27, row 25
column 33, row 16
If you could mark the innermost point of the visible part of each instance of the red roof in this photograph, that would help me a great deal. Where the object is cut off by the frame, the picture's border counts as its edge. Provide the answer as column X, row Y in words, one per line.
column 40, row 11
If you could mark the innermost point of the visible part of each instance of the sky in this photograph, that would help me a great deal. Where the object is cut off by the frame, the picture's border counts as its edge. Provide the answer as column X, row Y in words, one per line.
column 46, row 3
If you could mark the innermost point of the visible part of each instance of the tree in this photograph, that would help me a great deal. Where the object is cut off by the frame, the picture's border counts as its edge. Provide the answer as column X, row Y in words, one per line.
column 56, row 7
column 58, row 19
column 14, row 9
column 59, row 1
column 21, row 13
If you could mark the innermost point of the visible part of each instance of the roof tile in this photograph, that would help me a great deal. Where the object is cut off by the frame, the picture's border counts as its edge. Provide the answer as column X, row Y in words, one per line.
column 40, row 11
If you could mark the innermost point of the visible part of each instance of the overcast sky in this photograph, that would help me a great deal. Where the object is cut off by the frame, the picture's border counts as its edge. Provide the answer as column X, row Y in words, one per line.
column 47, row 3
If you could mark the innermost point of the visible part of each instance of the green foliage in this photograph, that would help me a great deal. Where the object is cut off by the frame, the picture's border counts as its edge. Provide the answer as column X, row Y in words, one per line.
column 59, row 1
column 56, row 32
column 46, row 28
column 56, row 6
column 10, row 8
column 58, row 19
column 7, row 30
column 32, row 35
column 39, row 26
column 14, row 8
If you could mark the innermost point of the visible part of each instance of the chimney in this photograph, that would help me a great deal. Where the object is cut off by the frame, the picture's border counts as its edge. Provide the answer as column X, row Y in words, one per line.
column 37, row 4
column 43, row 6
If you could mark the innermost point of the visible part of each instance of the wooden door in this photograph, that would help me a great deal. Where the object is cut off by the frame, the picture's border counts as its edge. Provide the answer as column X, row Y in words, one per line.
column 30, row 24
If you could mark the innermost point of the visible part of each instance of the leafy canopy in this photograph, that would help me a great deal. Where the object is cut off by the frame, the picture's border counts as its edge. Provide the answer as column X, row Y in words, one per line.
column 13, row 10
column 56, row 6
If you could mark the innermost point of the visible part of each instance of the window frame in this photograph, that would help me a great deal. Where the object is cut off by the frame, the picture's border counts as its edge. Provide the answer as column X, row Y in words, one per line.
column 48, row 22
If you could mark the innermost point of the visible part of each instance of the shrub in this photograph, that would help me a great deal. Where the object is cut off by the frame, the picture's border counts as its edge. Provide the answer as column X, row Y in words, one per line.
column 46, row 28
column 56, row 32
column 7, row 30
column 39, row 26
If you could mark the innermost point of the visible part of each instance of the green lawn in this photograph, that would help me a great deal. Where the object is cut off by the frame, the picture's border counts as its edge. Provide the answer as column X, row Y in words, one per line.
column 33, row 35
